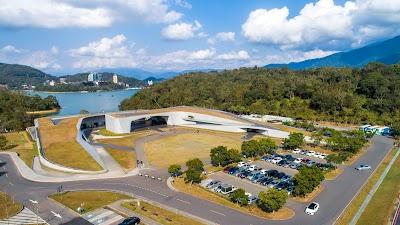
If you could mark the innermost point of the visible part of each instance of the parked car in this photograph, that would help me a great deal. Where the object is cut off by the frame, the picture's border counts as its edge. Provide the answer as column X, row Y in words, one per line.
column 257, row 178
column 305, row 161
column 244, row 174
column 279, row 175
column 297, row 160
column 233, row 170
column 282, row 185
column 286, row 165
column 276, row 160
column 317, row 155
column 296, row 151
column 130, row 221
column 273, row 183
column 280, row 163
column 303, row 152
column 290, row 189
column 266, row 180
column 293, row 165
column 272, row 173
column 217, row 188
column 237, row 172
column 299, row 166
column 269, row 159
column 252, row 174
column 286, row 178
column 312, row 208
column 323, row 156
column 213, row 184
column 310, row 153
column 264, row 158
column 226, row 169
column 363, row 167
column 252, row 199
column 241, row 164
column 310, row 163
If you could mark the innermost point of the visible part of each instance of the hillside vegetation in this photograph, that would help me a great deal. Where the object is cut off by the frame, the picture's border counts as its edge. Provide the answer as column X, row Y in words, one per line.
column 367, row 95
column 15, row 75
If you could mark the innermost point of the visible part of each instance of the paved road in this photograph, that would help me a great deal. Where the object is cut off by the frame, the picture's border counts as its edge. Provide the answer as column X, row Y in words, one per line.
column 333, row 199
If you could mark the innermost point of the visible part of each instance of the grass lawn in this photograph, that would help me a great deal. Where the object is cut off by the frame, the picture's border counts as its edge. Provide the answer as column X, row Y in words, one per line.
column 331, row 175
column 128, row 140
column 59, row 145
column 179, row 148
column 21, row 144
column 92, row 199
column 7, row 205
column 126, row 159
column 162, row 214
column 195, row 190
column 105, row 132
column 381, row 208
column 352, row 209
column 310, row 196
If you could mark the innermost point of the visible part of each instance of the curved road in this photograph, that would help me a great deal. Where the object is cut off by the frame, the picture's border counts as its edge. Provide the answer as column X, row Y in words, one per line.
column 333, row 199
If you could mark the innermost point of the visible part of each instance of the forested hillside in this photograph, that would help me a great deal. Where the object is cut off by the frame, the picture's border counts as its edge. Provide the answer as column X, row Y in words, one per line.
column 14, row 105
column 15, row 75
column 370, row 94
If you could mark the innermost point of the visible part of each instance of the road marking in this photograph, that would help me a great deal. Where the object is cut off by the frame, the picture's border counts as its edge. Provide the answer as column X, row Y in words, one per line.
column 6, row 174
column 72, row 185
column 182, row 201
column 11, row 183
column 111, row 183
column 217, row 212
column 4, row 168
column 35, row 187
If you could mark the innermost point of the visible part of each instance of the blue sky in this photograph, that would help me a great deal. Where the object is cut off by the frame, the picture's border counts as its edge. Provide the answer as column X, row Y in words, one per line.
column 69, row 36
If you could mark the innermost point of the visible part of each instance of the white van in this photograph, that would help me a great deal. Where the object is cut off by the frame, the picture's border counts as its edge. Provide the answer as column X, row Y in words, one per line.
column 252, row 167
column 241, row 164
column 311, row 153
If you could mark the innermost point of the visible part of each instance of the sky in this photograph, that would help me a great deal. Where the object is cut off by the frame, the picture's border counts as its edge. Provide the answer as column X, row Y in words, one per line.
column 69, row 36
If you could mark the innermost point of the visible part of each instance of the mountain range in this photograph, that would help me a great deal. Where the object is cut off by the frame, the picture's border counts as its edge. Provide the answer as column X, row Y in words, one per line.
column 386, row 52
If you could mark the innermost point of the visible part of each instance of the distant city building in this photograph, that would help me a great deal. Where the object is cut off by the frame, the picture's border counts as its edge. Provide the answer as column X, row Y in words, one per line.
column 150, row 82
column 63, row 80
column 52, row 83
column 94, row 76
column 115, row 78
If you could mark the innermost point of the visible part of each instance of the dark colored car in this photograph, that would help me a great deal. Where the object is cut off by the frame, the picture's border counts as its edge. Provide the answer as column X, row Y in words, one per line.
column 299, row 166
column 282, row 185
column 227, row 169
column 232, row 170
column 245, row 174
column 265, row 181
column 282, row 162
column 305, row 161
column 279, row 175
column 264, row 158
column 272, row 173
column 130, row 221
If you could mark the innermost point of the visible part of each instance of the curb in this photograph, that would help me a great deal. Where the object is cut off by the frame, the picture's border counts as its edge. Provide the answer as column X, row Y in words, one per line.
column 170, row 185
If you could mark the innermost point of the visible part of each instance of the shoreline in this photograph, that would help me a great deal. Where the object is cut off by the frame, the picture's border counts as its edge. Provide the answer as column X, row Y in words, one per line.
column 83, row 92
column 44, row 111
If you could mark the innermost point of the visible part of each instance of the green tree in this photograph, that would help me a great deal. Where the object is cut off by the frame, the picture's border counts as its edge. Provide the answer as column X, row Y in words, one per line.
column 345, row 155
column 239, row 196
column 332, row 158
column 250, row 148
column 221, row 156
column 193, row 176
column 234, row 155
column 195, row 164
column 295, row 140
column 267, row 145
column 84, row 111
column 317, row 137
column 174, row 168
column 272, row 200
column 306, row 180
column 3, row 141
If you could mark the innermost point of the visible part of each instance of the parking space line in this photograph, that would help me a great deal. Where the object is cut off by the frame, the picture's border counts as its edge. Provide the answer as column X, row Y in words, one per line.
column 217, row 212
column 11, row 183
column 182, row 201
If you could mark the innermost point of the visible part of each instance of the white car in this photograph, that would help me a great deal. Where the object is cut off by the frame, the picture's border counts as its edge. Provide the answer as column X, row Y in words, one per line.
column 276, row 160
column 296, row 151
column 312, row 208
column 240, row 164
column 323, row 155
column 298, row 160
column 317, row 154
column 310, row 153
column 253, row 167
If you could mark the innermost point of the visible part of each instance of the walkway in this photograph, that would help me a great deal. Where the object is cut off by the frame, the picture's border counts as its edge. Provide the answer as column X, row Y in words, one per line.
column 26, row 216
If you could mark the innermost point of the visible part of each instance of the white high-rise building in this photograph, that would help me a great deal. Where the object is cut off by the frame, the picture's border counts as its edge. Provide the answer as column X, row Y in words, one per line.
column 115, row 78
column 94, row 76
column 150, row 82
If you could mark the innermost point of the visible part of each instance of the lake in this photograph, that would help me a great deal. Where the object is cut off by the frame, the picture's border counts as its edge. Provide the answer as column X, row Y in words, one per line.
column 94, row 102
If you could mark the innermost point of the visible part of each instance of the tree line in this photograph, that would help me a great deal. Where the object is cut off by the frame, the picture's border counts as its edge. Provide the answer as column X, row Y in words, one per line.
column 349, row 95
column 14, row 106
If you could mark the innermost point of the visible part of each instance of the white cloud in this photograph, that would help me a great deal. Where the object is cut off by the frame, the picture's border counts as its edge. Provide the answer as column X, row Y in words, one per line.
column 83, row 13
column 225, row 36
column 183, row 3
column 10, row 49
column 241, row 55
column 107, row 52
column 203, row 54
column 317, row 53
column 42, row 59
column 322, row 22
column 181, row 31
column 202, row 35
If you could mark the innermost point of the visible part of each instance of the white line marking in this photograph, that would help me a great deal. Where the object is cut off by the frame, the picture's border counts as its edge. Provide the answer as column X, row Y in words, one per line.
column 182, row 201
column 72, row 185
column 217, row 212
column 11, row 183
column 6, row 174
